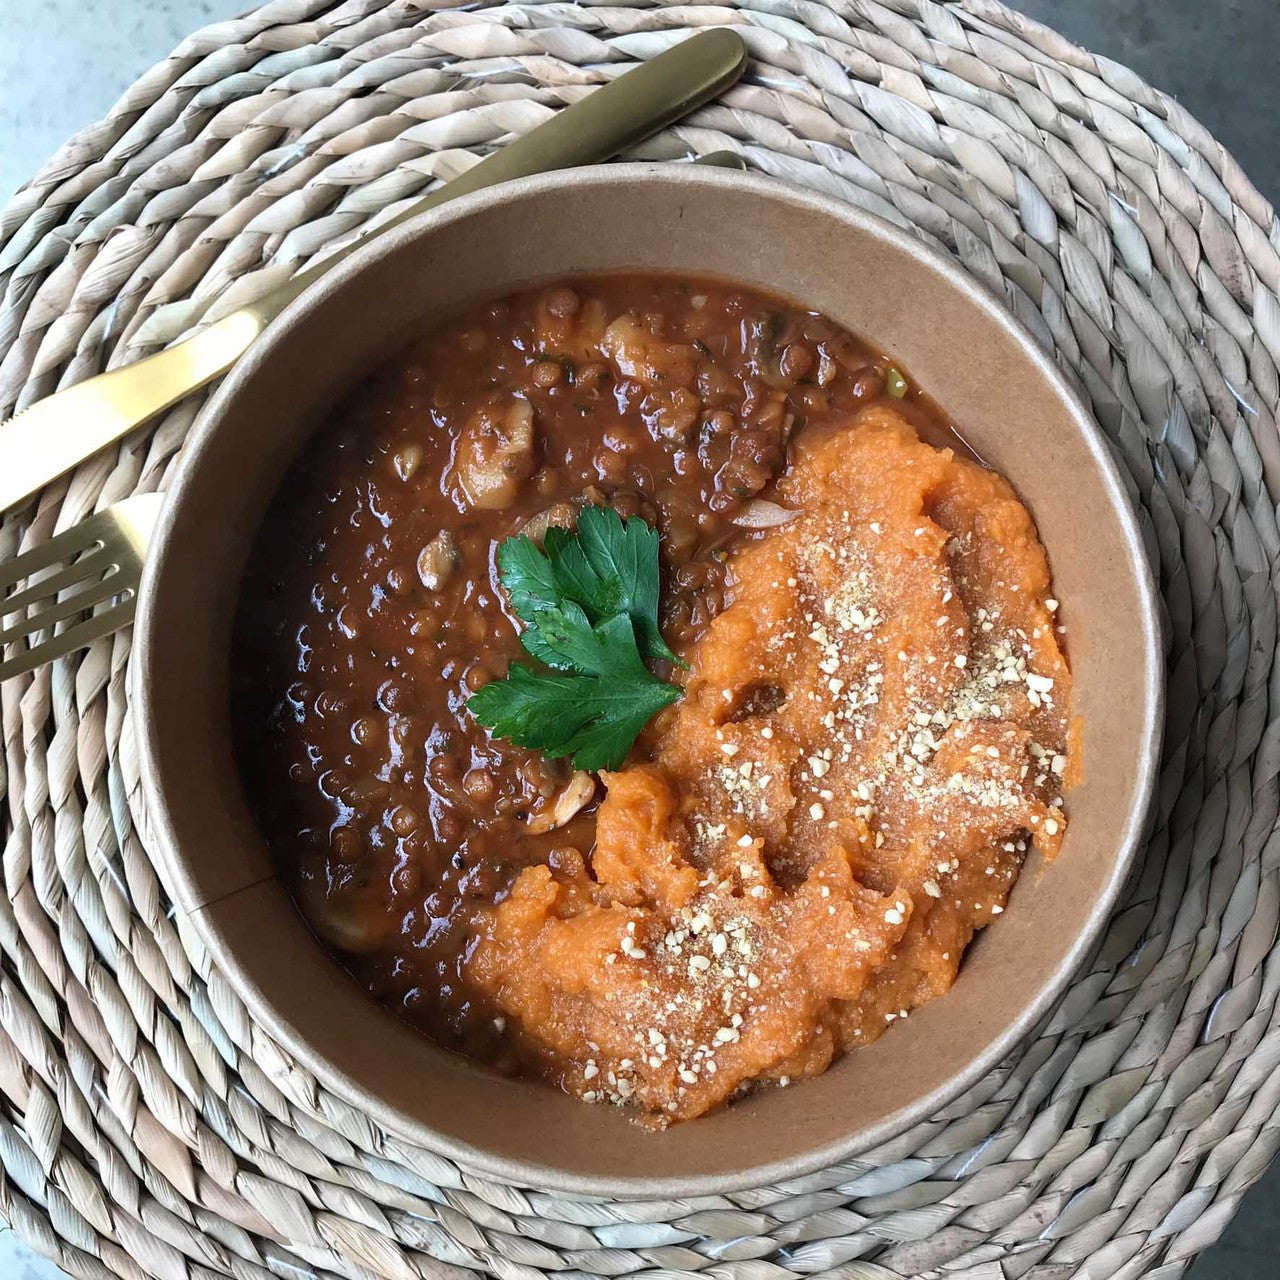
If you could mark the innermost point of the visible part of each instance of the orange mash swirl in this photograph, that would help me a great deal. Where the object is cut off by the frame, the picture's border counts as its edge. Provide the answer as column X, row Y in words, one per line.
column 870, row 732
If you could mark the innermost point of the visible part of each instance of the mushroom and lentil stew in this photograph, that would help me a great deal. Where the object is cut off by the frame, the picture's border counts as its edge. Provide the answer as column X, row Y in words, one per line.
column 864, row 720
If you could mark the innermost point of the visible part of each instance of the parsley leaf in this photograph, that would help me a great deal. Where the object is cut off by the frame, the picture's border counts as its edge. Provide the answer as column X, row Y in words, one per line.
column 607, row 566
column 589, row 602
column 564, row 638
column 594, row 713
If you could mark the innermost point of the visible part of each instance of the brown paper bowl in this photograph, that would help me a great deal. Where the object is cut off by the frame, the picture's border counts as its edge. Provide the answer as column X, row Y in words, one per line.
column 961, row 346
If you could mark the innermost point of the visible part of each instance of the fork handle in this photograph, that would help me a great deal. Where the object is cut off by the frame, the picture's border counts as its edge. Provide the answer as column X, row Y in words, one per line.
column 56, row 434
column 61, row 431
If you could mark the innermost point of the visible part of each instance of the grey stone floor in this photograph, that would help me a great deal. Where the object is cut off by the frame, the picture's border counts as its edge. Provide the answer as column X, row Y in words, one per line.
column 63, row 62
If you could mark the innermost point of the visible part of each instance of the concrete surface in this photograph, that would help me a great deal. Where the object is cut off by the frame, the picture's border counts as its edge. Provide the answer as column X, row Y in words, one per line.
column 63, row 62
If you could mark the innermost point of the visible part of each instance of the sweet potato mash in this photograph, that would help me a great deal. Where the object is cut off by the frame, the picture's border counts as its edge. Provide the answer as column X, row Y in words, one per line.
column 869, row 730
column 873, row 727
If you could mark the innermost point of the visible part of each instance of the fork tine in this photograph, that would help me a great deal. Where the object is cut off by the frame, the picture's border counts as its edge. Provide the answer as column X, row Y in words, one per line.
column 75, row 637
column 63, row 546
column 96, row 562
column 110, row 547
column 114, row 584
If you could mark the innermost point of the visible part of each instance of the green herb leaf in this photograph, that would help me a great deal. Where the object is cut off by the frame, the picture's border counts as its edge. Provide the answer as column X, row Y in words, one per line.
column 528, row 576
column 607, row 566
column 589, row 602
column 563, row 638
column 594, row 713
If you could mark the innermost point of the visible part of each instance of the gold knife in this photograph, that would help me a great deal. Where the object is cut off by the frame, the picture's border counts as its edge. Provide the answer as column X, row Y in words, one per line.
column 58, row 433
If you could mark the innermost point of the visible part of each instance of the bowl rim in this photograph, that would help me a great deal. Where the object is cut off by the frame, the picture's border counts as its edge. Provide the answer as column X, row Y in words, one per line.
column 164, row 849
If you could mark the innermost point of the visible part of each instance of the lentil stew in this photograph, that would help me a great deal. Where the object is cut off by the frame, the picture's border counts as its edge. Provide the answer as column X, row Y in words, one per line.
column 874, row 714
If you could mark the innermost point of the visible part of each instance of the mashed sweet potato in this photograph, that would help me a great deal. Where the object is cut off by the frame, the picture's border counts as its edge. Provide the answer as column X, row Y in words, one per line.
column 870, row 730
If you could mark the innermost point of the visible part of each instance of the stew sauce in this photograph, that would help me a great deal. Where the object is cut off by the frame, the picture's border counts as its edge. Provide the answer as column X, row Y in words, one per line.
column 462, row 879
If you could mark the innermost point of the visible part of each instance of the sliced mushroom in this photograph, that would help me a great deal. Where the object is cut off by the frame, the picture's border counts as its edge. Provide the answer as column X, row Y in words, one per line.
column 574, row 796
column 638, row 354
column 760, row 513
column 437, row 560
column 347, row 919
column 559, row 515
column 495, row 455
column 564, row 514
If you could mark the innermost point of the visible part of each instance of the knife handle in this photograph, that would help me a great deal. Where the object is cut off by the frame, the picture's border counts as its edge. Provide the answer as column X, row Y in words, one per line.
column 61, row 431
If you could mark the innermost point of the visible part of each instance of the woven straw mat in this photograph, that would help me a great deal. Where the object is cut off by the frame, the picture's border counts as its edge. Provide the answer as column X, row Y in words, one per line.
column 149, row 1129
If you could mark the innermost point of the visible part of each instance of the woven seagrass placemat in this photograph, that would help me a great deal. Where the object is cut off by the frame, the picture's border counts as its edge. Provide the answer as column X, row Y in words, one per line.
column 148, row 1128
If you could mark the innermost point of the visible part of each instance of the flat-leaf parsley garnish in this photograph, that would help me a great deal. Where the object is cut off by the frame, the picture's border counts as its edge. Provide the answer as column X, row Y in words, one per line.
column 589, row 603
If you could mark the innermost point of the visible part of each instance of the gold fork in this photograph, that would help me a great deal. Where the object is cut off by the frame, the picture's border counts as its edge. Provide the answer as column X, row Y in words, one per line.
column 94, row 567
